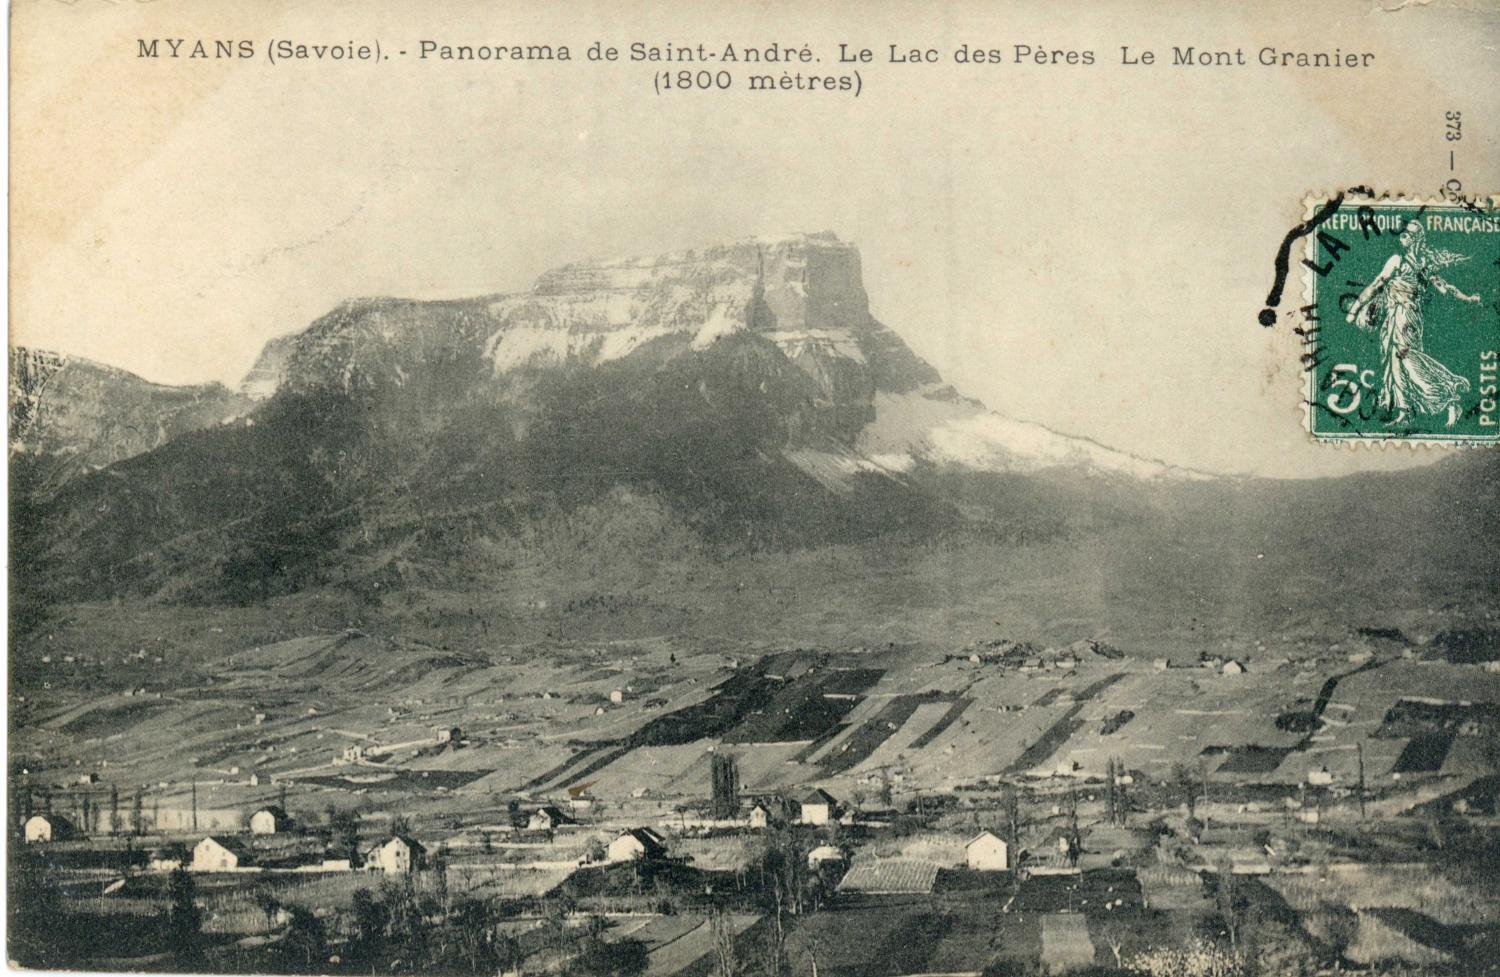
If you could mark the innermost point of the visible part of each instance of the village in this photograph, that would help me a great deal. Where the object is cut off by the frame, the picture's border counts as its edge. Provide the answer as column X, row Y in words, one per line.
column 1003, row 808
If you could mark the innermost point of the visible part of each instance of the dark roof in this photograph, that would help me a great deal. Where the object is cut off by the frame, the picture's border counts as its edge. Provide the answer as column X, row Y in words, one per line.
column 233, row 845
column 412, row 843
column 820, row 796
column 650, row 840
column 554, row 813
column 274, row 811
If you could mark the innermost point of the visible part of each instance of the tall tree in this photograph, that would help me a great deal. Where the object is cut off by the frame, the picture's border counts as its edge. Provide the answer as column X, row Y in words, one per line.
column 1109, row 774
column 1229, row 901
column 1360, row 751
column 1013, row 825
column 725, row 774
column 184, row 920
column 305, row 944
column 1075, row 837
column 1182, row 779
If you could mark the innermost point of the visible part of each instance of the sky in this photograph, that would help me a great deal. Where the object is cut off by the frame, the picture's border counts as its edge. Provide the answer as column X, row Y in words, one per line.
column 1086, row 247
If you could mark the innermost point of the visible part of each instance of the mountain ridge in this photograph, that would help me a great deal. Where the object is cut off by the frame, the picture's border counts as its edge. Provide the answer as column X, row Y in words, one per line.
column 730, row 399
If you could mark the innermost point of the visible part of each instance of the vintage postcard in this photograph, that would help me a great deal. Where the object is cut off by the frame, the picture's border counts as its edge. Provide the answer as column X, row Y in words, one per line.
column 794, row 489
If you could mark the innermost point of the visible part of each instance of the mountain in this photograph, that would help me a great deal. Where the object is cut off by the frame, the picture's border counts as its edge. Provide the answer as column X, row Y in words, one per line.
column 641, row 426
column 70, row 415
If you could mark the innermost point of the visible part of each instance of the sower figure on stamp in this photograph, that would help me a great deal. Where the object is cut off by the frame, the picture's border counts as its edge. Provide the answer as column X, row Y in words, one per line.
column 1410, row 379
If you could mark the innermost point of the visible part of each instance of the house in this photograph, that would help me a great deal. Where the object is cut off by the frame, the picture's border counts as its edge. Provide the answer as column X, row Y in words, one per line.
column 987, row 852
column 617, row 696
column 819, row 807
column 1161, row 664
column 448, row 734
column 269, row 821
column 48, row 827
column 1232, row 667
column 217, row 853
column 548, row 818
column 637, row 843
column 168, row 858
column 1320, row 777
column 760, row 817
column 396, row 855
column 1249, row 862
column 824, row 855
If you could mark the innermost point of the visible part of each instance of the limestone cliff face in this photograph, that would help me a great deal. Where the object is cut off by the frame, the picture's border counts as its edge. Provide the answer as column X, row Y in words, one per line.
column 270, row 368
column 788, row 315
column 803, row 293
column 766, row 342
column 786, row 318
column 85, row 415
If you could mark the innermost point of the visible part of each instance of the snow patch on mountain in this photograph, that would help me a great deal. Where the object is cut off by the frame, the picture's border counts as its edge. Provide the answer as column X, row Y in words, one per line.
column 834, row 342
column 911, row 427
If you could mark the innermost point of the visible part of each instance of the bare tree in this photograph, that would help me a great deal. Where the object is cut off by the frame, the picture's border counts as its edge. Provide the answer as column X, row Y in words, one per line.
column 1228, row 901
column 723, row 933
column 1114, row 933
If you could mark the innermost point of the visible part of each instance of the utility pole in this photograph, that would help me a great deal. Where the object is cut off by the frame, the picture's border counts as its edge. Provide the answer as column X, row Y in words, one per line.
column 195, row 804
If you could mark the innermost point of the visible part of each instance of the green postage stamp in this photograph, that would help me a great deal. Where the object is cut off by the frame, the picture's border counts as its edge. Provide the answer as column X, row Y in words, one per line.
column 1403, row 323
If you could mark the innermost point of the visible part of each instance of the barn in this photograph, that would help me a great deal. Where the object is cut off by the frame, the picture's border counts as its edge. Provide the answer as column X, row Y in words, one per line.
column 987, row 852
column 397, row 855
column 637, row 843
column 824, row 855
column 219, row 854
column 547, row 819
column 819, row 807
column 270, row 821
column 48, row 827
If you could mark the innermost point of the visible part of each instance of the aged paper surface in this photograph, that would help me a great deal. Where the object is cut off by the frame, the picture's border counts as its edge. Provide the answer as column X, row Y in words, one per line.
column 874, row 489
